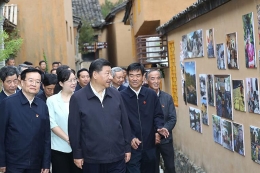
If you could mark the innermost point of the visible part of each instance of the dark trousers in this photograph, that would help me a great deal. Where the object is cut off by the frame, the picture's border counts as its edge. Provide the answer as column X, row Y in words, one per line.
column 142, row 161
column 21, row 170
column 63, row 163
column 167, row 152
column 115, row 167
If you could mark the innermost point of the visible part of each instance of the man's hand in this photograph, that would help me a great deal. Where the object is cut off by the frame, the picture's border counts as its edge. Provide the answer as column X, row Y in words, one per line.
column 127, row 157
column 135, row 143
column 157, row 138
column 79, row 163
column 45, row 170
column 163, row 131
column 2, row 169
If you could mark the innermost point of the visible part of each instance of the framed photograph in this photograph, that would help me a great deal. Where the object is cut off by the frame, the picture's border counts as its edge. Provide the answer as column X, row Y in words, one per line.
column 203, row 99
column 193, row 44
column 220, row 51
column 210, row 89
column 190, row 79
column 249, row 40
column 195, row 119
column 258, row 21
column 223, row 96
column 231, row 49
column 238, row 138
column 239, row 95
column 252, row 95
column 255, row 143
column 227, row 134
column 210, row 43
column 216, row 123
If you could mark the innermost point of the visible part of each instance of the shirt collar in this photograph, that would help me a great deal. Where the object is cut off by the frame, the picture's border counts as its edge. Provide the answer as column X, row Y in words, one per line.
column 136, row 92
column 8, row 94
column 96, row 93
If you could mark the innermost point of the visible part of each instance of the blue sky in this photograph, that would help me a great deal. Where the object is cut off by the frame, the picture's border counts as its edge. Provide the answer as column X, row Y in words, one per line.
column 190, row 67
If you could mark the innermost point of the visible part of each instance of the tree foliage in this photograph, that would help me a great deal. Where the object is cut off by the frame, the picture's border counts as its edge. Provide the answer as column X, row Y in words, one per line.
column 12, row 44
column 86, row 35
column 108, row 6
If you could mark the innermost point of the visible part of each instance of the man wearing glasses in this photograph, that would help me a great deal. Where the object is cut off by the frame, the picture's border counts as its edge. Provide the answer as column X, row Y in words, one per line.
column 9, row 78
column 25, row 129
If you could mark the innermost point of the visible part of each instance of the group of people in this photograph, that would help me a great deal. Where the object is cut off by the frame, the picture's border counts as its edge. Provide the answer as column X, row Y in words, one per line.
column 98, row 120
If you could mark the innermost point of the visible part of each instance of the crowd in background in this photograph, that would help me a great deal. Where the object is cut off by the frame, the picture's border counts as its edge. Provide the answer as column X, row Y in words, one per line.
column 96, row 120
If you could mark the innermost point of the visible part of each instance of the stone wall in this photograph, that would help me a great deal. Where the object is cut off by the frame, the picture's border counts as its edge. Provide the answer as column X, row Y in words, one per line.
column 183, row 164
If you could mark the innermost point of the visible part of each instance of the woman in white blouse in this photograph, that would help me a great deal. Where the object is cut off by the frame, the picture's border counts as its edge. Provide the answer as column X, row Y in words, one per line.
column 58, row 105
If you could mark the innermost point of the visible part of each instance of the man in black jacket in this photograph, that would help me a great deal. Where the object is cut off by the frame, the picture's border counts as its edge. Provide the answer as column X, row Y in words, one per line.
column 146, row 118
column 164, row 146
column 98, row 125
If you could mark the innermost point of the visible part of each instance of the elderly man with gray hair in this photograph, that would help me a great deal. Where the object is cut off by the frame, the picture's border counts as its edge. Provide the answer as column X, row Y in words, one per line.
column 118, row 78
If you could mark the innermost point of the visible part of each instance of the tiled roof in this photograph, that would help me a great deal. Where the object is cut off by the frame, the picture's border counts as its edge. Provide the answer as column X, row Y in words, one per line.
column 89, row 10
column 115, row 10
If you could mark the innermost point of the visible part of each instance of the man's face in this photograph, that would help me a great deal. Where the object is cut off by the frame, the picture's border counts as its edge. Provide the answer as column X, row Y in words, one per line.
column 31, row 84
column 83, row 78
column 118, row 79
column 43, row 66
column 49, row 90
column 55, row 66
column 10, row 84
column 11, row 62
column 104, row 77
column 135, row 78
column 124, row 73
column 154, row 79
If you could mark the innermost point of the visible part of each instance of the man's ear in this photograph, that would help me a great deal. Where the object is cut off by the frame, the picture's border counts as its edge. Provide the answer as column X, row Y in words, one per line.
column 95, row 74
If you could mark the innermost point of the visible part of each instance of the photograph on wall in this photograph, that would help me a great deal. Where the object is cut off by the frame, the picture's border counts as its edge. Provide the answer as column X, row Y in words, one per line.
column 239, row 95
column 231, row 48
column 210, row 43
column 221, row 63
column 252, row 95
column 195, row 119
column 249, row 40
column 184, row 51
column 203, row 99
column 255, row 143
column 258, row 20
column 223, row 96
column 210, row 89
column 227, row 135
column 193, row 44
column 217, row 129
column 238, row 138
column 190, row 82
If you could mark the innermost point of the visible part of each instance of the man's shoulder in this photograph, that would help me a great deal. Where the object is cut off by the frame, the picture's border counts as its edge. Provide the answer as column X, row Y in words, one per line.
column 165, row 94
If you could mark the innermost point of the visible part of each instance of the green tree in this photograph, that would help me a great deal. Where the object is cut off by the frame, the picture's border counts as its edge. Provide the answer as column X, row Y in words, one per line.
column 12, row 44
column 108, row 6
column 86, row 35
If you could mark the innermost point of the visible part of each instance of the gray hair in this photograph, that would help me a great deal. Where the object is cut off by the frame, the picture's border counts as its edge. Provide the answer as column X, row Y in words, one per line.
column 116, row 69
column 152, row 70
column 22, row 67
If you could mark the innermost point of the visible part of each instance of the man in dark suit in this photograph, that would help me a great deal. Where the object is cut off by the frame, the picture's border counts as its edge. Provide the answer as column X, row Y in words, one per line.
column 98, row 125
column 118, row 78
column 83, row 78
column 164, row 146
column 9, row 78
column 25, row 137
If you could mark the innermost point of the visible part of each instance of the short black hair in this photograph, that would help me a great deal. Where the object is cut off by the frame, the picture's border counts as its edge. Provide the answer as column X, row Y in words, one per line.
column 97, row 65
column 135, row 67
column 8, row 59
column 50, row 79
column 27, row 63
column 55, row 63
column 42, row 62
column 30, row 70
column 123, row 68
column 53, row 70
column 81, row 70
column 73, row 71
column 8, row 71
column 62, row 67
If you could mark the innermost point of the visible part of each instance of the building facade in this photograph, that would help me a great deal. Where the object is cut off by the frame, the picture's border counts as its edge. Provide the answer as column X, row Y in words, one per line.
column 214, row 49
column 46, row 27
